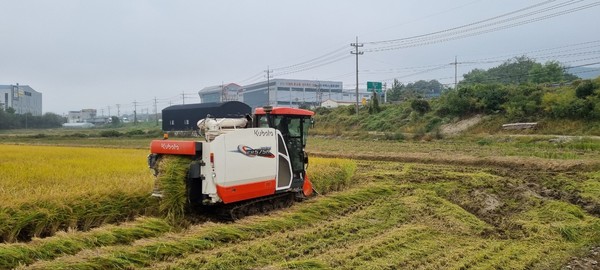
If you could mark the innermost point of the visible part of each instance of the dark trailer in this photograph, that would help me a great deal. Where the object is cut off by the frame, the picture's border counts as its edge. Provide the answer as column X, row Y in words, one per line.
column 185, row 117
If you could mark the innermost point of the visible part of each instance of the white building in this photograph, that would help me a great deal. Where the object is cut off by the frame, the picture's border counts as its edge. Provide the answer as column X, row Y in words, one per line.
column 220, row 93
column 282, row 92
column 330, row 103
column 83, row 116
column 22, row 98
column 291, row 93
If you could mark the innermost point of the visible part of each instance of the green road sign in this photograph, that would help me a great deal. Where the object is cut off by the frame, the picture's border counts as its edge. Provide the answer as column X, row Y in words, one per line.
column 374, row 86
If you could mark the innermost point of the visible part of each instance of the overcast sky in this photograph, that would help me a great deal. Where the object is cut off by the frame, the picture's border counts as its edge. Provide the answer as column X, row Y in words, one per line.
column 99, row 53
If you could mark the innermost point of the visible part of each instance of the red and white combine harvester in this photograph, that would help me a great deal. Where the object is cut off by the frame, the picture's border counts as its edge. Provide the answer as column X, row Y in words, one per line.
column 246, row 165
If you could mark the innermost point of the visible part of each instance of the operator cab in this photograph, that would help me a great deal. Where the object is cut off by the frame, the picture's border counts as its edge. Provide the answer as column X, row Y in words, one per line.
column 293, row 125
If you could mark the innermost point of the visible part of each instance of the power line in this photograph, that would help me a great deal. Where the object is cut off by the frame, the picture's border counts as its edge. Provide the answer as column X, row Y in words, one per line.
column 456, row 28
column 448, row 34
column 503, row 21
column 316, row 59
column 316, row 66
column 551, row 55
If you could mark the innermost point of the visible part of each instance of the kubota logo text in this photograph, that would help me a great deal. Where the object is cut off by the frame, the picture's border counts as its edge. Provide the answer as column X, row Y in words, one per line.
column 169, row 146
column 264, row 133
column 251, row 152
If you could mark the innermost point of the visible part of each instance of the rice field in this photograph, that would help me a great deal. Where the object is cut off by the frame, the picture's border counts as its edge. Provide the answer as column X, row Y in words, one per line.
column 44, row 189
column 373, row 212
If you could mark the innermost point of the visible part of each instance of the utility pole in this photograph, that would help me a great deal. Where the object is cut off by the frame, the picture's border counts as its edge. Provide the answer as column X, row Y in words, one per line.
column 183, row 97
column 384, row 92
column 268, row 71
column 108, row 110
column 319, row 94
column 155, row 111
column 224, row 94
column 102, row 110
column 357, row 53
column 135, row 112
column 119, row 110
column 455, row 72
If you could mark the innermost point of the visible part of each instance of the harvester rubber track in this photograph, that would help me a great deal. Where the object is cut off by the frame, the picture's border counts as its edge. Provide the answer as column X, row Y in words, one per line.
column 235, row 211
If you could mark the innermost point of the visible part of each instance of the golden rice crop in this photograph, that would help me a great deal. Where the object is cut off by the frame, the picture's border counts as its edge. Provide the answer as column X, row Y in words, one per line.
column 44, row 189
column 330, row 174
column 171, row 181
column 43, row 173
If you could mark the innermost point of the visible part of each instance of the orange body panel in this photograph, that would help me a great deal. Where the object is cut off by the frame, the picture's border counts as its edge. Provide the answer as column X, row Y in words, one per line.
column 246, row 191
column 307, row 187
column 173, row 147
column 285, row 110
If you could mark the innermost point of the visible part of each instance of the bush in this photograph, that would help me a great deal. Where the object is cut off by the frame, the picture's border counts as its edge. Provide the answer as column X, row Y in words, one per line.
column 584, row 89
column 110, row 133
column 322, row 110
column 420, row 105
column 395, row 136
column 419, row 134
column 38, row 136
column 433, row 124
column 77, row 135
column 154, row 133
column 135, row 132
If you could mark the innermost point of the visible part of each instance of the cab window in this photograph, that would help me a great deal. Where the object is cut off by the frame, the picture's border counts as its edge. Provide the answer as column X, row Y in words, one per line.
column 262, row 122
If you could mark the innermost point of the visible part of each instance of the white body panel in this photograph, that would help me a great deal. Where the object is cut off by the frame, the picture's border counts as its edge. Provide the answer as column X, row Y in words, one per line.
column 240, row 157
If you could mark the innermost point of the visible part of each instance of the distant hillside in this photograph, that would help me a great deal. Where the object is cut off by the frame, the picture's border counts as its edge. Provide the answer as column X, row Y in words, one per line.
column 585, row 72
column 568, row 109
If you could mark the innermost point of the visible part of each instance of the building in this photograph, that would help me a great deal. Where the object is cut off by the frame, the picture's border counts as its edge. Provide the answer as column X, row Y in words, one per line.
column 330, row 103
column 185, row 117
column 83, row 116
column 291, row 93
column 22, row 98
column 220, row 93
column 282, row 92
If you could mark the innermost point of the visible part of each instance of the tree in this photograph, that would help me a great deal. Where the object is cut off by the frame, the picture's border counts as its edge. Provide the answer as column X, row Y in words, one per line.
column 523, row 102
column 395, row 92
column 519, row 70
column 374, row 104
column 473, row 99
column 416, row 90
column 551, row 72
column 476, row 76
column 563, row 103
column 584, row 89
column 115, row 121
column 50, row 120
